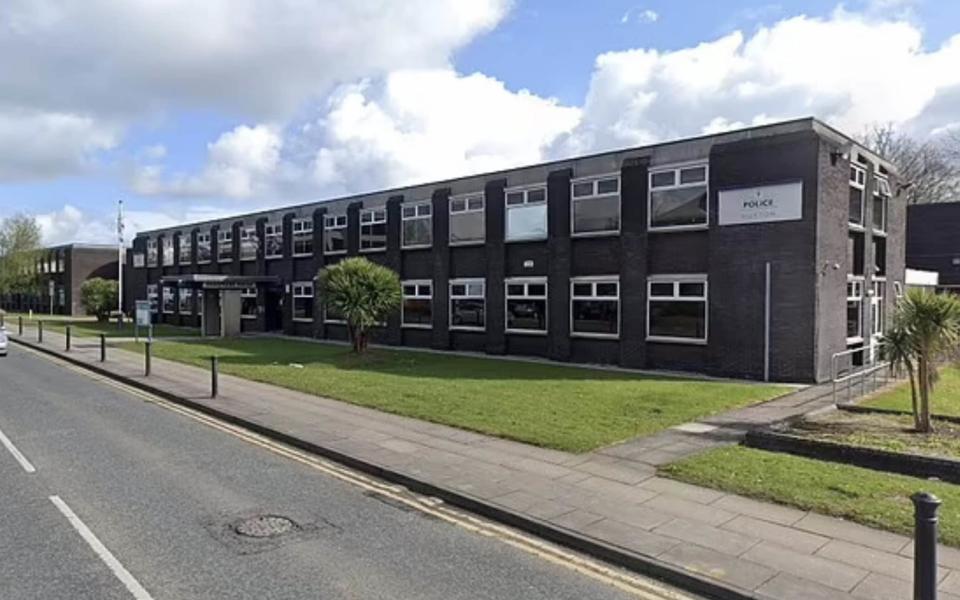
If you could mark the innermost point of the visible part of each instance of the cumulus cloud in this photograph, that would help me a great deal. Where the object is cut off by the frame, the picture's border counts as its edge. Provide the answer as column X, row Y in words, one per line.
column 39, row 145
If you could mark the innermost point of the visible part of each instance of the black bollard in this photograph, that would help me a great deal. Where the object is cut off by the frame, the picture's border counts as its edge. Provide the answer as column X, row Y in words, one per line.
column 925, row 546
column 214, row 383
column 40, row 332
column 19, row 325
column 146, row 359
column 103, row 347
column 68, row 339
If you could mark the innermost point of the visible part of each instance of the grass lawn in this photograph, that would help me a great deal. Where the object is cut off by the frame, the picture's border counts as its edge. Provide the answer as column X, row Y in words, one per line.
column 86, row 328
column 556, row 406
column 884, row 432
column 945, row 399
column 880, row 500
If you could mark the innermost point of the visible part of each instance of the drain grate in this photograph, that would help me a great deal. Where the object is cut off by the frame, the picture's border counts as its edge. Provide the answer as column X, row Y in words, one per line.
column 264, row 526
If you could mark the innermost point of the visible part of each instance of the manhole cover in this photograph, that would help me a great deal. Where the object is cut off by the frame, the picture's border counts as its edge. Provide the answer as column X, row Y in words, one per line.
column 264, row 526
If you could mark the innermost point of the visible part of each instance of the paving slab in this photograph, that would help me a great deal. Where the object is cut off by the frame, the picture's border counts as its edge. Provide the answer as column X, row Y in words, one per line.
column 799, row 541
column 827, row 572
column 697, row 559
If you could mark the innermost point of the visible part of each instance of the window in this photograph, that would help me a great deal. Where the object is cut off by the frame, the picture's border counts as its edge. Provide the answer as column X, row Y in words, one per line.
column 168, row 300
column 335, row 234
column 152, row 297
column 881, row 195
column 273, row 240
column 467, row 304
column 204, row 253
column 166, row 255
column 249, row 243
column 855, row 249
column 854, row 310
column 60, row 263
column 678, row 198
column 878, row 312
column 526, row 217
column 526, row 305
column 677, row 308
column 225, row 245
column 595, row 306
column 417, row 304
column 467, row 221
column 152, row 253
column 595, row 205
column 303, row 301
column 302, row 237
column 373, row 229
column 417, row 224
column 858, row 183
column 139, row 260
column 185, row 305
column 186, row 249
column 879, row 256
column 248, row 303
column 332, row 315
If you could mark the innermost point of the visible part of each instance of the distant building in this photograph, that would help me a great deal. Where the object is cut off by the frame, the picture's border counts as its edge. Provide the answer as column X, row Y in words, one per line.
column 61, row 271
column 933, row 241
column 757, row 253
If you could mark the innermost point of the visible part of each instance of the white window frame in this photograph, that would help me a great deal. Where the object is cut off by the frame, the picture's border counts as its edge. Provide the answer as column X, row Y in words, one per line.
column 163, row 304
column 594, row 179
column 881, row 189
column 166, row 252
column 373, row 220
column 858, row 283
column 301, row 228
column 467, row 282
column 272, row 230
column 526, row 282
column 326, row 319
column 153, row 293
column 859, row 182
column 417, row 206
column 878, row 307
column 676, row 280
column 416, row 296
column 525, row 190
column 594, row 280
column 154, row 246
column 466, row 198
column 245, row 233
column 225, row 235
column 188, row 238
column 335, row 223
column 676, row 168
column 204, row 237
column 180, row 297
column 298, row 290
column 249, row 292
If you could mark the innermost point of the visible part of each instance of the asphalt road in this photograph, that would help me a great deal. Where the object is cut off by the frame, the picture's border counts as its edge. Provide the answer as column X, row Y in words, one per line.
column 157, row 494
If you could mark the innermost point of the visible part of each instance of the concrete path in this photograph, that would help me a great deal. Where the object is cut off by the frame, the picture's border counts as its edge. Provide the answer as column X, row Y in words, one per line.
column 611, row 497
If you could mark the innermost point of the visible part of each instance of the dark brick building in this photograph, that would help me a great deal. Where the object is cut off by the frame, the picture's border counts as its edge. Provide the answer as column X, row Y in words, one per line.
column 754, row 253
column 933, row 241
column 61, row 270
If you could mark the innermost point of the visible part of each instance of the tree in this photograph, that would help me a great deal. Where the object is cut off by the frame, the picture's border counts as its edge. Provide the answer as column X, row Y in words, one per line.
column 930, row 169
column 926, row 331
column 99, row 297
column 364, row 293
column 19, row 243
column 898, row 347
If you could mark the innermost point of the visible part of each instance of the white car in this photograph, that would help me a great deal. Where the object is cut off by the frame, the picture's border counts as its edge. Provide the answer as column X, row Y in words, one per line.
column 3, row 341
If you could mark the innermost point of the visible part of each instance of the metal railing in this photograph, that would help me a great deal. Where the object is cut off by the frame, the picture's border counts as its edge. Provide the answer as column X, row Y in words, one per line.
column 858, row 372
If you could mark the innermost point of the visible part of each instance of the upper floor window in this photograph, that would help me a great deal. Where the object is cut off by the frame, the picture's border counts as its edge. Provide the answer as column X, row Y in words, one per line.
column 595, row 205
column 204, row 253
column 152, row 253
column 166, row 254
column 373, row 229
column 881, row 196
column 225, row 245
column 186, row 249
column 302, row 237
column 677, row 308
column 273, row 240
column 678, row 198
column 467, row 220
column 526, row 213
column 858, row 184
column 249, row 243
column 334, row 234
column 417, row 222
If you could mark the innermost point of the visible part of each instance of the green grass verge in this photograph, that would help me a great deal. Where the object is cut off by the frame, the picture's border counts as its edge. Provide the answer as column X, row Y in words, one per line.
column 95, row 328
column 873, row 498
column 945, row 400
column 555, row 406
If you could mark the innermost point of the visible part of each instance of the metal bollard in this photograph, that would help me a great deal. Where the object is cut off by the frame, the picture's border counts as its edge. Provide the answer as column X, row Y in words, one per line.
column 925, row 546
column 214, row 383
column 3, row 319
column 40, row 332
column 146, row 358
column 19, row 325
column 103, row 347
column 68, row 338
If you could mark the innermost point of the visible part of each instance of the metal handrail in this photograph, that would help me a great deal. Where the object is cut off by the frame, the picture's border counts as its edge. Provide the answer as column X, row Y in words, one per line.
column 871, row 365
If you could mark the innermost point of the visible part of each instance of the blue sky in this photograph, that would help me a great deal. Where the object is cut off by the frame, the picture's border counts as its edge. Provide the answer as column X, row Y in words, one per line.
column 240, row 107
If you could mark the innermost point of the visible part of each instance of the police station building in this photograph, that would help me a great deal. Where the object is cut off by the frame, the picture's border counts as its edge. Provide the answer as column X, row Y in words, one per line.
column 756, row 254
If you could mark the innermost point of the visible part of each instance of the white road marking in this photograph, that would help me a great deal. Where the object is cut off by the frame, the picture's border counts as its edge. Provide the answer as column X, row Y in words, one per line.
column 105, row 555
column 29, row 468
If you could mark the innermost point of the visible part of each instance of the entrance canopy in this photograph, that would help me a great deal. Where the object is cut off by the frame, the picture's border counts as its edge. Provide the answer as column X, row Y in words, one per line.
column 219, row 282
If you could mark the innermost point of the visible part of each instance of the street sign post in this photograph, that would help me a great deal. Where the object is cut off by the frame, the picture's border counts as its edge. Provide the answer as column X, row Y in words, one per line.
column 144, row 319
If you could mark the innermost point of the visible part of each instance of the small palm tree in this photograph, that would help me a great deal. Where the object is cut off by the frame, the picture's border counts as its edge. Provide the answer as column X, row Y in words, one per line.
column 898, row 347
column 930, row 326
column 363, row 292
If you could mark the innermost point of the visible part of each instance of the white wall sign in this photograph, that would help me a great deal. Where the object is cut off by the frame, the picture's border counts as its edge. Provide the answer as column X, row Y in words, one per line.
column 762, row 204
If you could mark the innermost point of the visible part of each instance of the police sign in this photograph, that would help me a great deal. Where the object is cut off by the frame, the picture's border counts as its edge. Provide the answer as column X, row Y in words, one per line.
column 763, row 204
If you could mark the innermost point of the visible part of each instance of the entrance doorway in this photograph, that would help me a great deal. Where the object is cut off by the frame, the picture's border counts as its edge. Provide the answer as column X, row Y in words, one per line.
column 273, row 309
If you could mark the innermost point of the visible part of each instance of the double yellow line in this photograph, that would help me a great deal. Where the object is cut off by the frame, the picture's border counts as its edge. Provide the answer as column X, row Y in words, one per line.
column 639, row 587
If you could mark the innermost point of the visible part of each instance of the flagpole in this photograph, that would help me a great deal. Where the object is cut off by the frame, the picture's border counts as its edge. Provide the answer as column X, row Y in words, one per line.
column 120, row 262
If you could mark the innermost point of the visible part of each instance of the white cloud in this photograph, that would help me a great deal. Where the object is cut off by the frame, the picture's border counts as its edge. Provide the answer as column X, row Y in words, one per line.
column 642, row 16
column 39, row 145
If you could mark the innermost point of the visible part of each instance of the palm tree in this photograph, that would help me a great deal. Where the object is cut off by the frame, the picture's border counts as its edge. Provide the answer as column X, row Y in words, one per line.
column 363, row 293
column 930, row 324
column 898, row 347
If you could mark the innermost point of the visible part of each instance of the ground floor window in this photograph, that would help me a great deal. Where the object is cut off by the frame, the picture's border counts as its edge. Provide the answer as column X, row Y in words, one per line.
column 303, row 301
column 417, row 304
column 248, row 303
column 595, row 306
column 526, row 305
column 168, row 300
column 854, row 310
column 878, row 312
column 467, row 304
column 332, row 315
column 677, row 308
column 185, row 305
column 153, row 297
